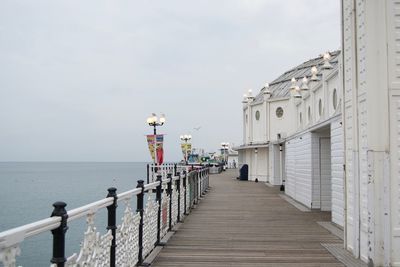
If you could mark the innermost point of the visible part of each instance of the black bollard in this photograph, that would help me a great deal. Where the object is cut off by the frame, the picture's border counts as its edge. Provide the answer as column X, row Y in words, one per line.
column 112, row 223
column 59, row 234
column 140, row 197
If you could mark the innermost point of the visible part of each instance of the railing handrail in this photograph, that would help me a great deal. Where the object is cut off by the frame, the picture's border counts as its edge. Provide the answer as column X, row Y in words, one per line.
column 14, row 236
column 151, row 186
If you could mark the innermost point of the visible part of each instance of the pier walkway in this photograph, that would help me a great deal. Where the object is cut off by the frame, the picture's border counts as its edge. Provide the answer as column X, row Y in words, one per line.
column 243, row 223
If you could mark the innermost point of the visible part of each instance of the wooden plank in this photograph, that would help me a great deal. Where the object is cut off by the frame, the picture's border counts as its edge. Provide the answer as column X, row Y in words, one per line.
column 244, row 224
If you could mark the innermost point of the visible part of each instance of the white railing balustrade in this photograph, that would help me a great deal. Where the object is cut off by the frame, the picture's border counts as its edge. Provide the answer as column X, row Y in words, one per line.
column 120, row 245
column 127, row 237
column 165, row 199
column 95, row 248
column 174, row 203
column 150, row 225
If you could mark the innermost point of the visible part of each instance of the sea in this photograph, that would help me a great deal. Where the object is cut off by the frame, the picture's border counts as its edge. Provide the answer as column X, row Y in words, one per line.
column 28, row 190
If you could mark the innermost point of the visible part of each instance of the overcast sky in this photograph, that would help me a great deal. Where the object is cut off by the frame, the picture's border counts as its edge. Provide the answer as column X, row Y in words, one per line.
column 79, row 78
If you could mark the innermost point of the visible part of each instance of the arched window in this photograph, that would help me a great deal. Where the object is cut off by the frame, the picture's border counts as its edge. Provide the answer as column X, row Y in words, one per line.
column 279, row 112
column 334, row 98
column 320, row 107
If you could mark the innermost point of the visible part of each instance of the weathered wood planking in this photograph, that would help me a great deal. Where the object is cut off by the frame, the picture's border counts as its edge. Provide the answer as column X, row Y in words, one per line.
column 247, row 224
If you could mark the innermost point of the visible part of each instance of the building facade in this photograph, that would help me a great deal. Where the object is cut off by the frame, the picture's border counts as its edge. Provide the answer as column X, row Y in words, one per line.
column 371, row 86
column 335, row 144
column 293, row 135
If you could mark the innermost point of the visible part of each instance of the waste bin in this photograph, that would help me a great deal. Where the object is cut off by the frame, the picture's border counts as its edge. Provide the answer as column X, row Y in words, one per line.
column 244, row 172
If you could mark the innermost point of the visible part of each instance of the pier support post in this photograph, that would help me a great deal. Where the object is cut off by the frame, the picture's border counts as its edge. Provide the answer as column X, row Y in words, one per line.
column 169, row 191
column 112, row 223
column 184, row 191
column 140, row 197
column 178, row 190
column 148, row 173
column 201, row 182
column 59, row 234
column 158, row 199
column 196, row 182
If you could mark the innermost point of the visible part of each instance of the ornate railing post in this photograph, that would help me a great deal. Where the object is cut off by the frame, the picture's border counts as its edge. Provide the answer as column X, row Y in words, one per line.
column 140, row 197
column 185, row 191
column 178, row 190
column 158, row 199
column 201, row 182
column 175, row 170
column 208, row 177
column 112, row 223
column 196, row 178
column 169, row 192
column 148, row 173
column 59, row 234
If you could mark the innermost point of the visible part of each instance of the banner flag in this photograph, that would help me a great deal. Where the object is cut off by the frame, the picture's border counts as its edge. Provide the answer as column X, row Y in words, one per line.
column 155, row 143
column 186, row 149
column 150, row 142
column 160, row 149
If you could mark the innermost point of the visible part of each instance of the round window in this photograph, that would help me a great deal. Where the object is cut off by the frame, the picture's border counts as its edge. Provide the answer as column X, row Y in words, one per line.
column 257, row 115
column 320, row 107
column 279, row 112
column 334, row 98
column 309, row 114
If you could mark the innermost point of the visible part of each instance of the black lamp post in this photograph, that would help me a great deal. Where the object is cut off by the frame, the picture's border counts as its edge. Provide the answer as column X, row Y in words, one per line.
column 186, row 138
column 225, row 149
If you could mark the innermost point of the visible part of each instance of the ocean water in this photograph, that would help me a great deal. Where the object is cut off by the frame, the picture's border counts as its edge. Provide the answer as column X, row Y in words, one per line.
column 28, row 190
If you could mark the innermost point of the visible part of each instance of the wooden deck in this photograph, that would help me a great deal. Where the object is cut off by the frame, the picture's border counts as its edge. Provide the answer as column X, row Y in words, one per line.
column 242, row 223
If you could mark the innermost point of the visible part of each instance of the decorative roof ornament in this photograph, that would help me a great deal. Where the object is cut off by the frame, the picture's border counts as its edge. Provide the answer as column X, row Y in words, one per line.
column 314, row 77
column 304, row 85
column 266, row 89
column 327, row 65
column 250, row 96
column 293, row 81
column 297, row 93
column 245, row 99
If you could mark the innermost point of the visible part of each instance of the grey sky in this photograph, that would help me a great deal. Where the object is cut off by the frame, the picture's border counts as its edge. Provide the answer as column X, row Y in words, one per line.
column 79, row 78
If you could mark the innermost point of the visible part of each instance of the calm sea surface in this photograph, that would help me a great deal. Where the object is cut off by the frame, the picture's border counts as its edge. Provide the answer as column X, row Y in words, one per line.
column 28, row 191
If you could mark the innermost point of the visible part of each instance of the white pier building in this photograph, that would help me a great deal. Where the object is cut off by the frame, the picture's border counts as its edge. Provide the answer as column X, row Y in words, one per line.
column 293, row 134
column 334, row 138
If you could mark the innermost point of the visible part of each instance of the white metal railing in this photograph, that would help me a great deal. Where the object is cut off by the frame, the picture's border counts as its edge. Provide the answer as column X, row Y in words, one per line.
column 126, row 243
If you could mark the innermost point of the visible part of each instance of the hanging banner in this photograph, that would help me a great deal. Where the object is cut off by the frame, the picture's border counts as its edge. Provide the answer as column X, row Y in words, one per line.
column 151, row 144
column 155, row 144
column 160, row 149
column 186, row 149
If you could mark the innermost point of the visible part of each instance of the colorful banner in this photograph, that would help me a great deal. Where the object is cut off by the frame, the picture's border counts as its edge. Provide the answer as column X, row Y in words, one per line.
column 156, row 143
column 186, row 149
column 150, row 142
column 160, row 148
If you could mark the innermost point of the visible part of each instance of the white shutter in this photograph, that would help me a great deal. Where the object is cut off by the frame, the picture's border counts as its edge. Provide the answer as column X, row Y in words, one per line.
column 348, row 58
column 337, row 161
column 393, row 21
